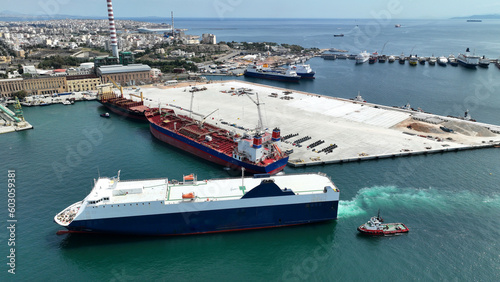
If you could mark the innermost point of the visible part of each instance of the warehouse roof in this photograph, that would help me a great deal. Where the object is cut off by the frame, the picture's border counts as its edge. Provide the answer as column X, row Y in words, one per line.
column 121, row 69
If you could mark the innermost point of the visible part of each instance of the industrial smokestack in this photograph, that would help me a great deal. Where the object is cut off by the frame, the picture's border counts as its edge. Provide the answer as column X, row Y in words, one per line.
column 173, row 30
column 112, row 30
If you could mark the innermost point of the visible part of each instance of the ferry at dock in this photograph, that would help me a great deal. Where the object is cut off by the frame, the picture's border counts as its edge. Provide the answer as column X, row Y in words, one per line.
column 266, row 72
column 362, row 57
column 467, row 60
column 303, row 70
column 171, row 207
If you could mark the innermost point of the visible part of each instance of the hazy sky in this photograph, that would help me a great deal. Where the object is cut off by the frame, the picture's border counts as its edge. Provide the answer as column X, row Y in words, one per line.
column 425, row 9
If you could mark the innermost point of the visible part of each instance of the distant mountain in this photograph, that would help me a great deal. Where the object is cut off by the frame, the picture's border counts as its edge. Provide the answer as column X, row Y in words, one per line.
column 9, row 13
column 16, row 16
column 481, row 17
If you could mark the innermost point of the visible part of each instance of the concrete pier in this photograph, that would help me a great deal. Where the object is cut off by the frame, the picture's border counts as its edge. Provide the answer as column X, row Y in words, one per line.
column 10, row 123
column 354, row 131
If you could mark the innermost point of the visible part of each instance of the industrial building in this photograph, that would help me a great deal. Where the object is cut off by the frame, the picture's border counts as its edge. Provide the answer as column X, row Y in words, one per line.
column 78, row 83
column 133, row 74
column 33, row 86
column 208, row 38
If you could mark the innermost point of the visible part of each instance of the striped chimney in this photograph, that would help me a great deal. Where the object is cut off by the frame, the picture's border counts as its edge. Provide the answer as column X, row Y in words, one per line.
column 112, row 30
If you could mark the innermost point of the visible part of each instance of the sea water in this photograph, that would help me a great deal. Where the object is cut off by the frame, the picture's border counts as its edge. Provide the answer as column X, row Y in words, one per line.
column 450, row 201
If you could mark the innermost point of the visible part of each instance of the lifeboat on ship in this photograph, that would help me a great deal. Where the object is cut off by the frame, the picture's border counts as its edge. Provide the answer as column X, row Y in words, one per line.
column 188, row 196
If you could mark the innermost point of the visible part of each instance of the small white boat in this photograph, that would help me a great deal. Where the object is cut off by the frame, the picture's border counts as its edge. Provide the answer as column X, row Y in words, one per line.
column 432, row 60
column 362, row 57
column 442, row 61
column 452, row 60
column 66, row 102
column 484, row 62
column 392, row 59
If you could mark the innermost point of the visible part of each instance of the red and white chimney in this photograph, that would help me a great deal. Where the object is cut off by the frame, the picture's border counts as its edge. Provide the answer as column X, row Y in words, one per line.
column 112, row 30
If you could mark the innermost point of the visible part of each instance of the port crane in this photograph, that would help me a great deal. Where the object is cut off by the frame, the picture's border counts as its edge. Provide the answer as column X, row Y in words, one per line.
column 121, row 90
column 260, row 126
column 205, row 117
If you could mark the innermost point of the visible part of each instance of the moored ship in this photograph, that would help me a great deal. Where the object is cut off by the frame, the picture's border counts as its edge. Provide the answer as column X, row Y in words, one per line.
column 260, row 153
column 170, row 207
column 442, row 61
column 123, row 106
column 484, row 62
column 362, row 57
column 264, row 71
column 452, row 60
column 413, row 60
column 432, row 60
column 467, row 60
column 402, row 59
column 303, row 70
column 373, row 58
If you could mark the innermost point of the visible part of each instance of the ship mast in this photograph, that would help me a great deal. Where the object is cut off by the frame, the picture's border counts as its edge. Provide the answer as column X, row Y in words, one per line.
column 191, row 105
column 260, row 126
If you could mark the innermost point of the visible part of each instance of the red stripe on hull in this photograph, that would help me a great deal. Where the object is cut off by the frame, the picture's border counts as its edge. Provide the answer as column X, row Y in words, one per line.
column 190, row 149
column 200, row 153
column 62, row 232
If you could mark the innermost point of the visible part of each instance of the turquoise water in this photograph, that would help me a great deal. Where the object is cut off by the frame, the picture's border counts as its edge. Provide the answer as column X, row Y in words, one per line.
column 449, row 201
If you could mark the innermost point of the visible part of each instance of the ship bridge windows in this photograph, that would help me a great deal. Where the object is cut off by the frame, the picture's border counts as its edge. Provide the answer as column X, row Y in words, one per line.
column 98, row 201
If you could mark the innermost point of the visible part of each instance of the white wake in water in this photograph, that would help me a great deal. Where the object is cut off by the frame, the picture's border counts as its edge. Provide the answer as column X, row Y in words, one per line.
column 368, row 200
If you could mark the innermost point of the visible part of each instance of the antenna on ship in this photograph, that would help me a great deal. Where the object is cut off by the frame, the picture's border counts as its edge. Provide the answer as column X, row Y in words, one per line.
column 260, row 126
column 191, row 105
column 242, row 176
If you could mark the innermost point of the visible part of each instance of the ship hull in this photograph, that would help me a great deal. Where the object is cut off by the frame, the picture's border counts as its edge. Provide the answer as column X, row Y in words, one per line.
column 467, row 65
column 212, row 220
column 306, row 75
column 124, row 112
column 212, row 155
column 272, row 76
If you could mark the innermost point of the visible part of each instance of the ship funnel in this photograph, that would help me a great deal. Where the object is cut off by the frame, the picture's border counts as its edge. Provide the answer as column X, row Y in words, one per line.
column 112, row 30
column 276, row 135
column 257, row 141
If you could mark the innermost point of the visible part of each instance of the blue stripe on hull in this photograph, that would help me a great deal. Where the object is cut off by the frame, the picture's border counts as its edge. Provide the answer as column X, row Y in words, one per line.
column 469, row 66
column 184, row 223
column 307, row 75
column 272, row 77
column 228, row 159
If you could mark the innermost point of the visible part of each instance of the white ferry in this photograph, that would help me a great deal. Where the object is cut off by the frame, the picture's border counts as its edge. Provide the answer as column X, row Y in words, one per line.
column 170, row 207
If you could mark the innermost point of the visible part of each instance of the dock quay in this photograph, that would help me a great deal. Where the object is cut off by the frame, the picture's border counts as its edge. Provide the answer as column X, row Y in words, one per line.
column 320, row 129
column 336, row 55
column 11, row 122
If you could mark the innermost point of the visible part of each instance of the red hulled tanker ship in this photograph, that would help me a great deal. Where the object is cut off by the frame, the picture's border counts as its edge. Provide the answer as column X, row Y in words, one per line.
column 122, row 106
column 258, row 154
